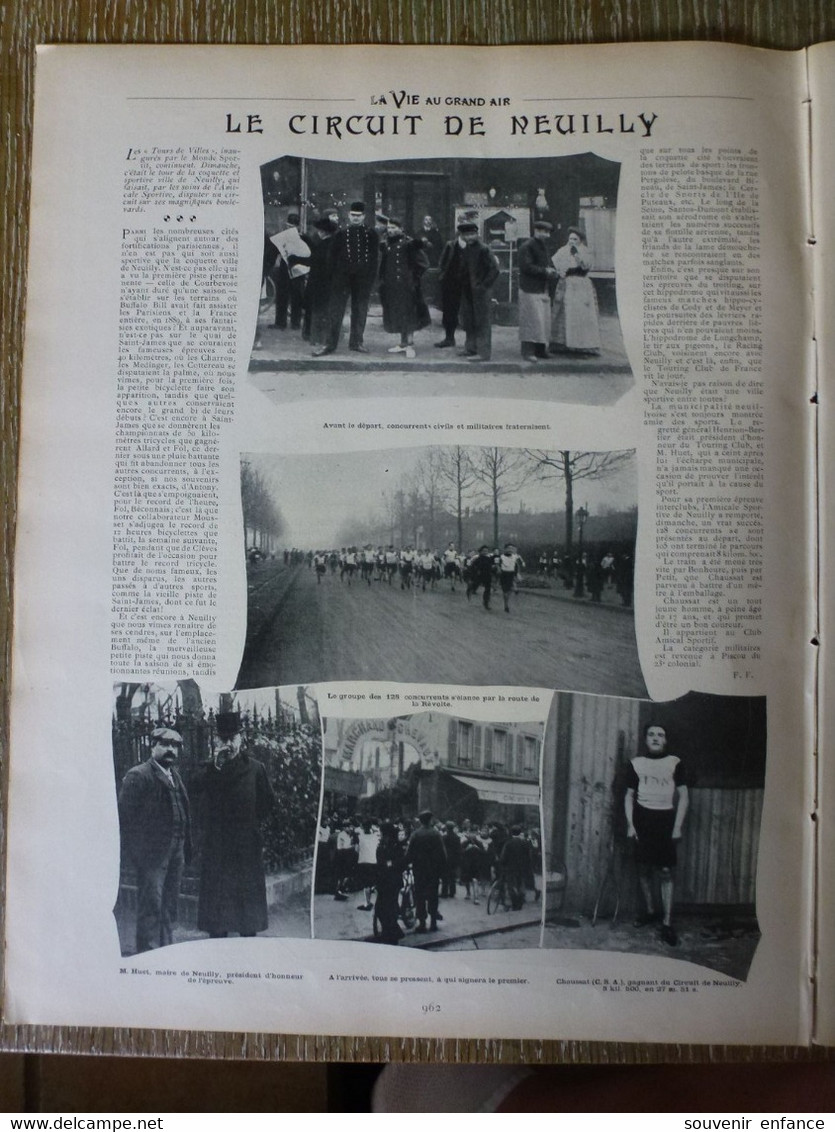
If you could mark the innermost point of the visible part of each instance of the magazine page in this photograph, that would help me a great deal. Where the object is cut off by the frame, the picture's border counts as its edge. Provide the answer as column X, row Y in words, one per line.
column 408, row 468
column 822, row 100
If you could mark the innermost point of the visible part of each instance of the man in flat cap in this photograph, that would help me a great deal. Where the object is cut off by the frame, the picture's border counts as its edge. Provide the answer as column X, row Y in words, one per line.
column 479, row 271
column 233, row 894
column 155, row 824
column 537, row 279
column 356, row 255
column 427, row 856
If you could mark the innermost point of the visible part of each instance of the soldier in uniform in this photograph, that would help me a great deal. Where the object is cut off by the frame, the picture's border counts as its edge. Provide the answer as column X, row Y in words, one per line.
column 355, row 255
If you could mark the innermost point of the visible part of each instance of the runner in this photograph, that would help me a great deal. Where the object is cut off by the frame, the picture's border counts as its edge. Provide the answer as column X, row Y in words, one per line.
column 510, row 565
column 320, row 563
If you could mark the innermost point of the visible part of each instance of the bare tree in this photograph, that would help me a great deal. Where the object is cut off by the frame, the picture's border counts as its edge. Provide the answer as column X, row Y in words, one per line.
column 389, row 516
column 262, row 517
column 429, row 479
column 301, row 698
column 500, row 471
column 414, row 508
column 455, row 468
column 570, row 467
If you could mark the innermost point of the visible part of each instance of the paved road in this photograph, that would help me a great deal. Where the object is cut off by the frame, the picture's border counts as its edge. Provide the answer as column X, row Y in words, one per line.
column 334, row 631
column 282, row 368
column 290, row 919
column 286, row 351
column 349, row 921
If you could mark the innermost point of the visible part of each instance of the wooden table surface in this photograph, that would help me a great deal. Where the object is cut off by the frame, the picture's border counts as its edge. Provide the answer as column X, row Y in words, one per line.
column 23, row 24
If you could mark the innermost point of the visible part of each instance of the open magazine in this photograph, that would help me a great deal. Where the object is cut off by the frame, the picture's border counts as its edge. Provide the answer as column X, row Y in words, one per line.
column 422, row 506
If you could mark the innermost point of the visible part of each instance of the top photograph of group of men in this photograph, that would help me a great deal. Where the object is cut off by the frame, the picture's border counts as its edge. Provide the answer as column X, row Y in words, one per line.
column 503, row 270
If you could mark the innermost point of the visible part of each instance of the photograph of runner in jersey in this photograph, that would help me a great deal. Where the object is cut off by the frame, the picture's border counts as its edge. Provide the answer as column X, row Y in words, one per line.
column 423, row 565
column 652, row 814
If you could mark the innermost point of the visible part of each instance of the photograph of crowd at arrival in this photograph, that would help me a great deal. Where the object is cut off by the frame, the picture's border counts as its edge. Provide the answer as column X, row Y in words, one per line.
column 217, row 812
column 430, row 832
column 457, row 565
column 498, row 266
column 652, row 818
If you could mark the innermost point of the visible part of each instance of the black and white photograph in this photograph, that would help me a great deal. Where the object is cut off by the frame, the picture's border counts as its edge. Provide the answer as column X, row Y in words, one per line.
column 500, row 268
column 430, row 832
column 217, row 812
column 652, row 818
column 456, row 565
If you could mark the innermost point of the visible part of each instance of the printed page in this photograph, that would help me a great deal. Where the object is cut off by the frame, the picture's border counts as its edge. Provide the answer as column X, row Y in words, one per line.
column 406, row 483
column 822, row 99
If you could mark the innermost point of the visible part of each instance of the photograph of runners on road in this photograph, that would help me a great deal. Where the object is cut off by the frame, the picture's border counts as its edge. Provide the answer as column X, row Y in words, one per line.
column 471, row 565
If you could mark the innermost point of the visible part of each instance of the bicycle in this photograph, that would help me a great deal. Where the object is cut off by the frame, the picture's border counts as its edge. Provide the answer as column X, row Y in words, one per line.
column 499, row 897
column 406, row 909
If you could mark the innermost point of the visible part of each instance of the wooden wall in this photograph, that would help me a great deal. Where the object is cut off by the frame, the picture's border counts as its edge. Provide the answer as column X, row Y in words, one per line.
column 590, row 742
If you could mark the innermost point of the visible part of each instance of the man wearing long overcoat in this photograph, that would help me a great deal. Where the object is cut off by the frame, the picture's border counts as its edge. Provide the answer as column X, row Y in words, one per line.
column 238, row 797
column 403, row 262
column 155, row 824
column 427, row 856
column 450, row 280
column 479, row 271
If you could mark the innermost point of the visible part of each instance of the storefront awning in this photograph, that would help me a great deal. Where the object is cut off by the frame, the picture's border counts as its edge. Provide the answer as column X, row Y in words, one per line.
column 504, row 791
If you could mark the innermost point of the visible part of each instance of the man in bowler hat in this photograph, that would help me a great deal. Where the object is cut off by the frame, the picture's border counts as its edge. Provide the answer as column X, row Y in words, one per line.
column 233, row 895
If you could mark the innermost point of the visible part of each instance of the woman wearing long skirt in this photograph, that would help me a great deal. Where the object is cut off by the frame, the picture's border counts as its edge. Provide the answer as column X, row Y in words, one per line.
column 575, row 322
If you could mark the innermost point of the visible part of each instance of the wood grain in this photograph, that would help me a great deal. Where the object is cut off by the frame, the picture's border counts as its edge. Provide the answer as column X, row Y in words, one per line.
column 784, row 24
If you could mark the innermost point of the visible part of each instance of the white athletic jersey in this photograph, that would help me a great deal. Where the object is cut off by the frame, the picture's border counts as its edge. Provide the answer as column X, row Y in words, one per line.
column 655, row 780
column 450, row 555
column 367, row 847
column 509, row 562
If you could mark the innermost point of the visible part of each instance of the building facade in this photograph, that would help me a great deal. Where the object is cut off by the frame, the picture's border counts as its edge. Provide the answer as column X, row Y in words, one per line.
column 458, row 768
column 503, row 196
